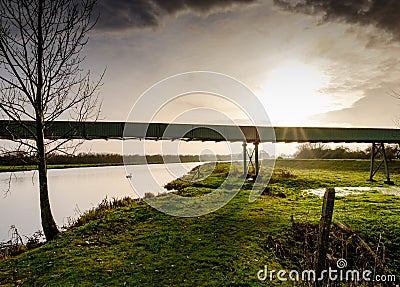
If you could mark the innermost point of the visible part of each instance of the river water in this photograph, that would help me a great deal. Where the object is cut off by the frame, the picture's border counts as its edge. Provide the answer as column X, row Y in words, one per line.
column 74, row 190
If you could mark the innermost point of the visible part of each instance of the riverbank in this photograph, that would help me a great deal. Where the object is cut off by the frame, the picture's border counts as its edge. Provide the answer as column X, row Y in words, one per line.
column 12, row 163
column 53, row 166
column 72, row 165
column 128, row 243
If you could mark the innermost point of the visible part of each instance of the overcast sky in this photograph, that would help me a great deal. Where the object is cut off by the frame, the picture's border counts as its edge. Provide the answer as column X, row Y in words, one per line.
column 309, row 62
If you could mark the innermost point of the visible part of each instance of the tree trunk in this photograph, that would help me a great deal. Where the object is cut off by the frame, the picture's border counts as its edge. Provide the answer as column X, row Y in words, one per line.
column 48, row 224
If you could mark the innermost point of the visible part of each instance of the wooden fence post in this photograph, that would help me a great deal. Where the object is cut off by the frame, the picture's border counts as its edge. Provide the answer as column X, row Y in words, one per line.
column 323, row 236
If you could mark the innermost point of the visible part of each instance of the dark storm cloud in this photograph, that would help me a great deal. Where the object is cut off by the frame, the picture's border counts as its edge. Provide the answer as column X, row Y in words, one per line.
column 122, row 14
column 384, row 14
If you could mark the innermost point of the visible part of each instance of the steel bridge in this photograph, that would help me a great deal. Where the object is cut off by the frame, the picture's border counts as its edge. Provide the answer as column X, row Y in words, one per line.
column 196, row 132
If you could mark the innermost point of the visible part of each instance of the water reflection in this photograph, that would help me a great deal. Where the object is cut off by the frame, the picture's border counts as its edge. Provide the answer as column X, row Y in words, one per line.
column 73, row 191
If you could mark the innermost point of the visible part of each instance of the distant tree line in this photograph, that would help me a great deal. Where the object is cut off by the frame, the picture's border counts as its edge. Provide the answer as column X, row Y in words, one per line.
column 304, row 151
column 20, row 159
column 322, row 151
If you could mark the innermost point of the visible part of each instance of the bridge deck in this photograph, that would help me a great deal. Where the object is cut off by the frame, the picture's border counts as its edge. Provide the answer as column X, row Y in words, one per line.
column 194, row 132
column 191, row 132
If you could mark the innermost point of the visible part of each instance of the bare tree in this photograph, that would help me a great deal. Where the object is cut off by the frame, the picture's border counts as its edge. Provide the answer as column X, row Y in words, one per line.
column 41, row 78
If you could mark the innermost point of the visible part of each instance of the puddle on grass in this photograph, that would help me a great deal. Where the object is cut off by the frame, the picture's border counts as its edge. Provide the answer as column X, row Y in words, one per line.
column 345, row 191
column 392, row 190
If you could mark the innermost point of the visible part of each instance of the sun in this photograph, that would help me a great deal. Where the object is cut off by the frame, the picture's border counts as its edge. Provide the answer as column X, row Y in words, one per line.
column 292, row 92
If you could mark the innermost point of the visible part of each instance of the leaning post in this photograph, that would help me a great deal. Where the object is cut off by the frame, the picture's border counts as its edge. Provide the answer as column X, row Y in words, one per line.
column 371, row 170
column 323, row 235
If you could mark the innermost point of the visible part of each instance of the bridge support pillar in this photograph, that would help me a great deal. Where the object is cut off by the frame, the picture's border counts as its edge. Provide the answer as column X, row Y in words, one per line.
column 244, row 159
column 376, row 150
column 256, row 162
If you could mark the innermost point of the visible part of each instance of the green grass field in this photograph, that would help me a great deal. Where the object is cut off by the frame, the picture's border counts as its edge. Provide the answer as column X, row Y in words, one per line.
column 128, row 243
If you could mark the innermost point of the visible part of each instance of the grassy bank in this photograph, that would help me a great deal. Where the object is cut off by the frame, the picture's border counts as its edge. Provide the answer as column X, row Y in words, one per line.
column 127, row 243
